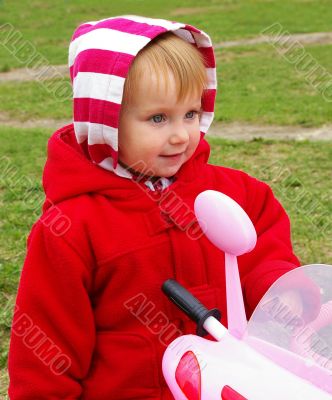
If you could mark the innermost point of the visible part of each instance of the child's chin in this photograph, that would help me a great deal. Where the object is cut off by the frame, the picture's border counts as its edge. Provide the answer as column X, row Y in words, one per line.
column 169, row 173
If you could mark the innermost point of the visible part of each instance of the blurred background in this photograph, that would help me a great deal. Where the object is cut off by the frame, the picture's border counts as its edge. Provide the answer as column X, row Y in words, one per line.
column 273, row 113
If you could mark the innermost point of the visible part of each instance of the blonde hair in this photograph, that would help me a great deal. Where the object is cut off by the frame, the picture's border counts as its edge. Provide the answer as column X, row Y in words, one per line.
column 166, row 54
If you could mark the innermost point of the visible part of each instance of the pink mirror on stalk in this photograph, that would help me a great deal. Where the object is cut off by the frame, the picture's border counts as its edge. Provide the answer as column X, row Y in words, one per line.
column 229, row 228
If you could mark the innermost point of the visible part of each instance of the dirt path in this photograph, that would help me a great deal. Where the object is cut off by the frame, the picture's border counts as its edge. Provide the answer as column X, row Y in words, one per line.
column 242, row 131
column 304, row 38
column 52, row 124
column 35, row 74
column 234, row 130
column 53, row 71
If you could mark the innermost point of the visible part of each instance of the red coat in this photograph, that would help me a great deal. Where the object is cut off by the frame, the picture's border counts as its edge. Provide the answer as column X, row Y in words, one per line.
column 91, row 321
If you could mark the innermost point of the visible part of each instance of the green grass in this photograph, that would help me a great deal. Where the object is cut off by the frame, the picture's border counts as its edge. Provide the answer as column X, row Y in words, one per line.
column 49, row 26
column 33, row 100
column 256, row 85
column 299, row 173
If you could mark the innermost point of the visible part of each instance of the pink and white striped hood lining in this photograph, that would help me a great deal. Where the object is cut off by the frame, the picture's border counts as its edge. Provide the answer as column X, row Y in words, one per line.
column 100, row 54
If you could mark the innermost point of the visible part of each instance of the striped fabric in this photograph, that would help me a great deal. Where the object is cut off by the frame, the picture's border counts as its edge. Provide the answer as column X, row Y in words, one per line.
column 100, row 54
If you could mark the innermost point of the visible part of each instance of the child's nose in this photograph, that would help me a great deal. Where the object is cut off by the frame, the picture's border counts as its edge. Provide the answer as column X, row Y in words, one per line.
column 179, row 134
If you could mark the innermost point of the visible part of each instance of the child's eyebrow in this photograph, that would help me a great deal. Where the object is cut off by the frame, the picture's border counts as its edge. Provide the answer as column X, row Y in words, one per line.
column 158, row 108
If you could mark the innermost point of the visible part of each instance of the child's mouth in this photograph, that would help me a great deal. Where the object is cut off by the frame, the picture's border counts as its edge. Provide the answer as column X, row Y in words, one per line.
column 173, row 157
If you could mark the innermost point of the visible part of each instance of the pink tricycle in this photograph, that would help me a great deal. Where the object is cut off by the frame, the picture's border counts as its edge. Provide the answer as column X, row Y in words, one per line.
column 279, row 354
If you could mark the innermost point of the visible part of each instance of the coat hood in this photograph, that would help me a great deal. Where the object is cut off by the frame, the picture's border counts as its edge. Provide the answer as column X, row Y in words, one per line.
column 100, row 55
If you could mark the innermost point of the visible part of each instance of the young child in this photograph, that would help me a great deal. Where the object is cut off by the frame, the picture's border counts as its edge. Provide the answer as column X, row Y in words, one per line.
column 91, row 321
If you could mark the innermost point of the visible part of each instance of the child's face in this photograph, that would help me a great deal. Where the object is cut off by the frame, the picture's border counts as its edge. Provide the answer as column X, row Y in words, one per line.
column 156, row 131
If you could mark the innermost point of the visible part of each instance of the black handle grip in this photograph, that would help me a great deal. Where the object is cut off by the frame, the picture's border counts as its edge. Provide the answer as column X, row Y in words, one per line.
column 189, row 304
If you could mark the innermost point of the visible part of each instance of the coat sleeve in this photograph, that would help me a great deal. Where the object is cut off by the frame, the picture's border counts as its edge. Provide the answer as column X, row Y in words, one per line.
column 53, row 332
column 273, row 255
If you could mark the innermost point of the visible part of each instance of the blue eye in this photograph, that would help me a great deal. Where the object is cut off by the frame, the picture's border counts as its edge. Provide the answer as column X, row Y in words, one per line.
column 191, row 114
column 157, row 118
